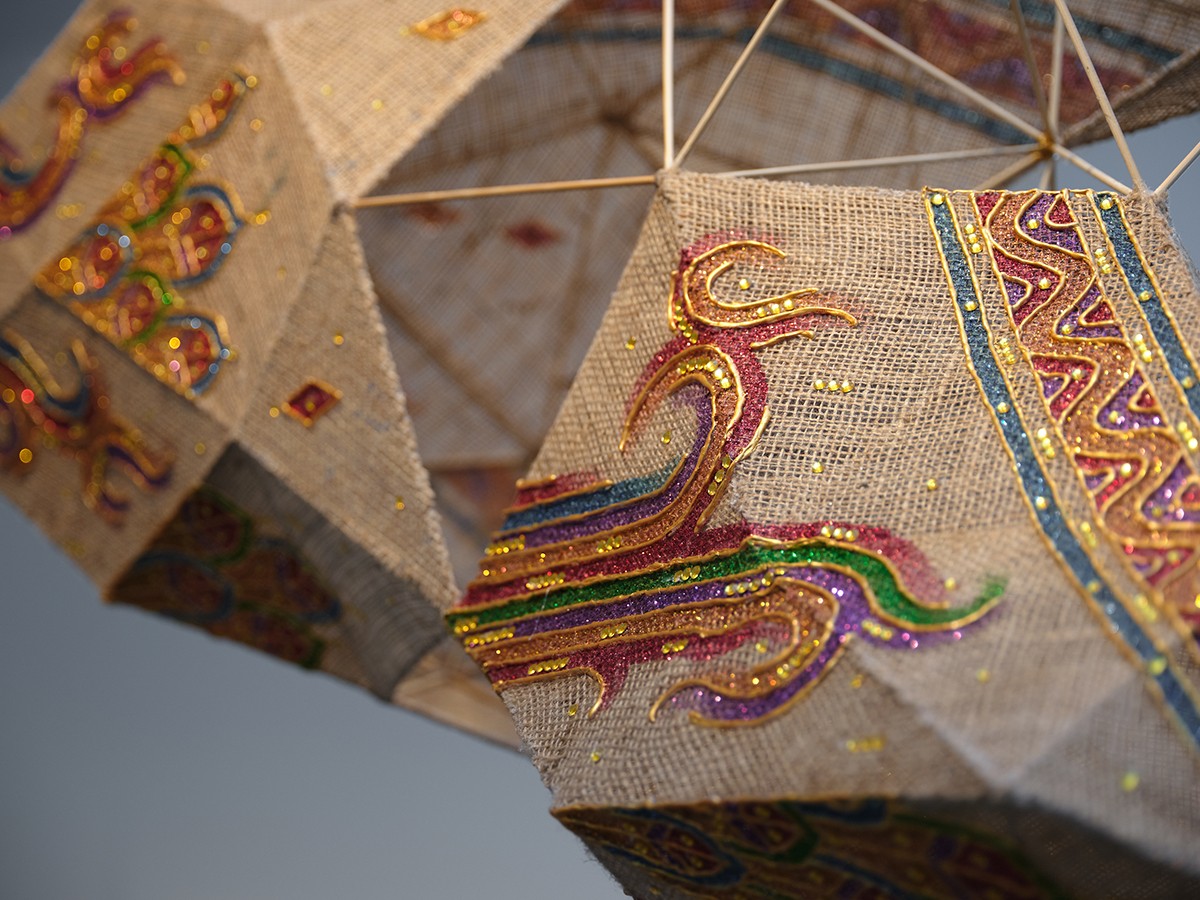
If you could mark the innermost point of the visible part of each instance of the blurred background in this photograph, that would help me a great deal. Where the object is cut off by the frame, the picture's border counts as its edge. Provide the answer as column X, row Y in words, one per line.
column 140, row 759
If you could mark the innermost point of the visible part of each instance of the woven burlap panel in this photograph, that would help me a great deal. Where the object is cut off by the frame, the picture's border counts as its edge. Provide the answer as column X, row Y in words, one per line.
column 1035, row 724
column 334, row 497
column 581, row 100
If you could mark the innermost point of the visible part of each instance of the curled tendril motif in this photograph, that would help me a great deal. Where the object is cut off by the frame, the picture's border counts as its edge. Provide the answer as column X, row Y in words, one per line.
column 596, row 581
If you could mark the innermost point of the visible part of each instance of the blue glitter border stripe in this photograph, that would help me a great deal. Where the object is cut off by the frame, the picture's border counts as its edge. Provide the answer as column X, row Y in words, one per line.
column 1033, row 477
column 620, row 492
column 1161, row 325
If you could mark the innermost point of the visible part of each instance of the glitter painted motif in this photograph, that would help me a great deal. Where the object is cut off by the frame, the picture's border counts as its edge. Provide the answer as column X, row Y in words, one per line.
column 74, row 421
column 161, row 232
column 987, row 356
column 593, row 577
column 105, row 78
column 854, row 851
column 311, row 401
column 1133, row 464
column 211, row 568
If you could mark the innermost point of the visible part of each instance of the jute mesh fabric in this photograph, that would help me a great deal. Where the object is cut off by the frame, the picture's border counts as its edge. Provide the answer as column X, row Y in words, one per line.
column 173, row 200
column 582, row 99
column 907, row 415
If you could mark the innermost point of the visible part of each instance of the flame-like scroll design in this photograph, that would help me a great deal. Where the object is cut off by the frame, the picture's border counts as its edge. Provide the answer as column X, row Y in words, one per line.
column 159, row 233
column 596, row 579
column 77, row 422
column 105, row 78
column 1133, row 464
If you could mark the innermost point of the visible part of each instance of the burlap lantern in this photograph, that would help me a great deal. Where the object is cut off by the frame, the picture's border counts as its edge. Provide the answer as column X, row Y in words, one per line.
column 499, row 297
column 860, row 560
column 199, row 400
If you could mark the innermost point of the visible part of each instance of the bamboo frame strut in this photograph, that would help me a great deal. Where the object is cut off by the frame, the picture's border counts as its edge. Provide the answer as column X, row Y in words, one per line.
column 1045, row 150
column 1035, row 75
column 499, row 190
column 1050, row 175
column 1110, row 116
column 736, row 70
column 668, row 82
column 1162, row 189
column 884, row 161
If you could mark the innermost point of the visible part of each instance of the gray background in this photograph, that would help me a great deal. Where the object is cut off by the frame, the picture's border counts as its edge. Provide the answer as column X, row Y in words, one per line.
column 140, row 760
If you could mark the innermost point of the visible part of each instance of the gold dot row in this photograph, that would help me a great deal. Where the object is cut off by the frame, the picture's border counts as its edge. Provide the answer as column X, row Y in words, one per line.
column 517, row 543
column 548, row 665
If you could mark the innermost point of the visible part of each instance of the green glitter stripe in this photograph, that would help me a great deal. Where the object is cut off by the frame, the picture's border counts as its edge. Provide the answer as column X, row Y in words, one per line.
column 890, row 597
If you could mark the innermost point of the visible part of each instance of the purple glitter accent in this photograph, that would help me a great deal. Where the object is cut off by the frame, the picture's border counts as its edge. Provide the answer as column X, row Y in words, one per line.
column 1051, row 384
column 1094, row 482
column 853, row 608
column 1083, row 329
column 1167, row 497
column 1127, row 418
column 1063, row 236
column 1015, row 291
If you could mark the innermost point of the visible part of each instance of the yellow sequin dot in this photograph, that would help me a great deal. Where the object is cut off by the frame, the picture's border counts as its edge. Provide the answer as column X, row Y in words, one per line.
column 595, row 756
column 931, row 484
column 857, row 681
column 818, row 468
column 950, row 584
column 327, row 90
column 983, row 676
column 573, row 710
column 1002, row 408
column 200, row 448
column 338, row 339
column 26, row 455
column 631, row 343
column 1043, row 283
column 9, row 395
column 399, row 503
column 937, row 199
column 1144, row 296
column 1032, row 224
column 377, row 104
column 1040, row 502
column 1126, row 470
column 666, row 438
column 263, row 217
column 744, row 284
column 273, row 412
column 1156, row 666
column 977, row 247
column 1106, row 203
column 173, row 343
column 1130, row 781
column 970, row 306
column 256, row 124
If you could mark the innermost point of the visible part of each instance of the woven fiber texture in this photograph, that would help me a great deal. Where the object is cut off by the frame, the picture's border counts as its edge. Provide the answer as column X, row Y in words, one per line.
column 813, row 362
column 176, row 212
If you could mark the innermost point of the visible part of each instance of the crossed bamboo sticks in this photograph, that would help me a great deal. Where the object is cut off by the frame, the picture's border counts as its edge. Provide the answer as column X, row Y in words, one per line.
column 1045, row 146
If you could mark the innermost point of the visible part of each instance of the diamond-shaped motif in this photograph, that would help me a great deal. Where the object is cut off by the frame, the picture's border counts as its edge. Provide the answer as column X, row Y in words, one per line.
column 312, row 401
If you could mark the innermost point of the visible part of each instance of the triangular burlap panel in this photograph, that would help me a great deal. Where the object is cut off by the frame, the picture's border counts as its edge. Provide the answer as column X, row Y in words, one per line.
column 871, row 519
